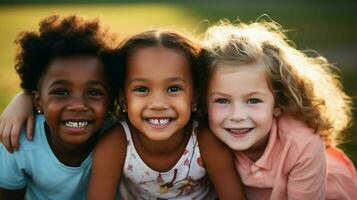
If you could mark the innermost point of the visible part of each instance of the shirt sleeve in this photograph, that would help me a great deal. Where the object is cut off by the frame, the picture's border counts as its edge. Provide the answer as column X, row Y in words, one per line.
column 12, row 176
column 307, row 178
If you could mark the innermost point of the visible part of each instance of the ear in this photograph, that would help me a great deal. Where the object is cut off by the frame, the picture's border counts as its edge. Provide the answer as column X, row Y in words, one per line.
column 277, row 112
column 194, row 104
column 37, row 101
column 121, row 101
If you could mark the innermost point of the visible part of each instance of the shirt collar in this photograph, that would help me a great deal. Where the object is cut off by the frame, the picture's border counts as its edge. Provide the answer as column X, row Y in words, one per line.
column 265, row 161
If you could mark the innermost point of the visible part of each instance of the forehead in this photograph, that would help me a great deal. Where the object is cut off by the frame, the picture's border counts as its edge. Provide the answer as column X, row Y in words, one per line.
column 78, row 68
column 158, row 62
column 240, row 78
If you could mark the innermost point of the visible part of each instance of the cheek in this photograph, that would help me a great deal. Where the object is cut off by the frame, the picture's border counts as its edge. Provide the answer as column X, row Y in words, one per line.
column 183, row 106
column 216, row 114
column 263, row 116
column 102, row 107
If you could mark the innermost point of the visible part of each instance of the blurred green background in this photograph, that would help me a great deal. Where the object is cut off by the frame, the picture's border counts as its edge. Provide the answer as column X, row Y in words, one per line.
column 327, row 26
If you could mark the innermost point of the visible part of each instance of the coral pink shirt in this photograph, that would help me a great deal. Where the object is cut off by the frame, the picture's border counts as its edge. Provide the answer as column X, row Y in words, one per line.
column 293, row 165
column 341, row 176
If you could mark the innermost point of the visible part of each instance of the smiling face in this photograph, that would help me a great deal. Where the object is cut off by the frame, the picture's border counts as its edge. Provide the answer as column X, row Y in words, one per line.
column 240, row 106
column 158, row 92
column 73, row 95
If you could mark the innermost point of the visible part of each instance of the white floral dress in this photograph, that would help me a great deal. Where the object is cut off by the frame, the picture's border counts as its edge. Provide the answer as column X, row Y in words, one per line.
column 186, row 180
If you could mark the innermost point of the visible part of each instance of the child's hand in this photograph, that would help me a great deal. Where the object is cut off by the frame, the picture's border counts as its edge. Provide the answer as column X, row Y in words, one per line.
column 16, row 114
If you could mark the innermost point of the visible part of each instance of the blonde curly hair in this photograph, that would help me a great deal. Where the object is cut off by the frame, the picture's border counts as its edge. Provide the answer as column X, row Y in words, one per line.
column 306, row 87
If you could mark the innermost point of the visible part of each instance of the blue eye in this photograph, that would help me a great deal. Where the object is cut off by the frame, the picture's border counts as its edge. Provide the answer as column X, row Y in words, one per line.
column 221, row 101
column 174, row 89
column 141, row 89
column 254, row 101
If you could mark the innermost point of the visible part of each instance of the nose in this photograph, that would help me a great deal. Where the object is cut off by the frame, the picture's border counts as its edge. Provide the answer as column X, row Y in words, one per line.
column 158, row 101
column 78, row 103
column 238, row 113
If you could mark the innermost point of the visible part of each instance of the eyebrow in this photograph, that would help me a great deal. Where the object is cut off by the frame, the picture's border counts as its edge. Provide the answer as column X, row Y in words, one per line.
column 257, row 93
column 249, row 94
column 217, row 93
column 65, row 82
column 101, row 83
column 58, row 82
column 177, row 79
column 172, row 79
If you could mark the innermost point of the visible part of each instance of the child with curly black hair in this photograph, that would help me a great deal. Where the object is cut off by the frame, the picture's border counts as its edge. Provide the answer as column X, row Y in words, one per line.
column 66, row 66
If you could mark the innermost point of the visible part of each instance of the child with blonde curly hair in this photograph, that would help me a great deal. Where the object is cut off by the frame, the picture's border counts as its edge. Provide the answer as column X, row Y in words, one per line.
column 282, row 112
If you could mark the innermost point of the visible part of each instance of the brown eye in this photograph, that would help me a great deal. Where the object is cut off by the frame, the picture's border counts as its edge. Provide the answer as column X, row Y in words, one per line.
column 141, row 89
column 60, row 92
column 95, row 93
column 174, row 89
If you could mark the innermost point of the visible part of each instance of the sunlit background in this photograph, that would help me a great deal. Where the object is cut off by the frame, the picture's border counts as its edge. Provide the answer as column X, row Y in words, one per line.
column 327, row 26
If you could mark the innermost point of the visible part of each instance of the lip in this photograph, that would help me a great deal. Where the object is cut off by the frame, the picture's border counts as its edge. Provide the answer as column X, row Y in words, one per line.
column 76, row 125
column 158, row 122
column 239, row 132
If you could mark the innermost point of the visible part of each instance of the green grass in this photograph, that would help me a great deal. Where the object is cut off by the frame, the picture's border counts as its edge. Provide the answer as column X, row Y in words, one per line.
column 328, row 27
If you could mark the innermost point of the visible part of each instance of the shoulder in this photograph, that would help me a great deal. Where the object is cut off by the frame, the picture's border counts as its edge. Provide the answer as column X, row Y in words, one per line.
column 39, row 139
column 29, row 149
column 296, row 133
column 112, row 143
column 115, row 134
column 110, row 121
column 304, row 147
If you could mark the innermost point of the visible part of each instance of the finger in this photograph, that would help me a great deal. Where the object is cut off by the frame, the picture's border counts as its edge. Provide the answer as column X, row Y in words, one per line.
column 6, row 138
column 14, row 137
column 30, row 122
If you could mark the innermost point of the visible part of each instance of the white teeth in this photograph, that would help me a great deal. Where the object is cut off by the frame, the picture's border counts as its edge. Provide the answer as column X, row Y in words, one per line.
column 76, row 124
column 159, row 121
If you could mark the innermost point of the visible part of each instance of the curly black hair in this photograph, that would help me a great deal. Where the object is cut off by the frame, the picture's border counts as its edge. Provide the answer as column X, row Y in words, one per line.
column 60, row 37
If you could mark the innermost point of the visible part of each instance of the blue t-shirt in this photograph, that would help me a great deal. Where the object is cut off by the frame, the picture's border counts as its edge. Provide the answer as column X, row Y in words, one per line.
column 35, row 167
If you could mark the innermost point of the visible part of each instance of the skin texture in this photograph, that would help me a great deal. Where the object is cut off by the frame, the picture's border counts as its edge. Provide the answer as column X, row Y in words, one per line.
column 169, row 98
column 64, row 97
column 241, row 116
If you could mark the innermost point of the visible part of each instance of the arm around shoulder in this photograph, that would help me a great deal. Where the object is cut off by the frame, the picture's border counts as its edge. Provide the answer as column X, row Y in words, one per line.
column 18, row 113
column 108, row 161
column 220, row 165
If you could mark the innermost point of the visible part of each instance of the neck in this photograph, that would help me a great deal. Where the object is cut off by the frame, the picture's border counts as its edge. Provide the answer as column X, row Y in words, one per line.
column 69, row 154
column 166, row 147
column 257, row 150
column 161, row 155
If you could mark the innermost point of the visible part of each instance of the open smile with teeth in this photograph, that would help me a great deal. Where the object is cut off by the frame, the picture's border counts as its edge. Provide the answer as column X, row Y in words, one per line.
column 159, row 121
column 76, row 124
column 239, row 131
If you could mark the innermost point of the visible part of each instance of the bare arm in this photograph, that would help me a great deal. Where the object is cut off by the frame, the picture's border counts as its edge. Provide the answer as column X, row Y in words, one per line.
column 12, row 194
column 16, row 114
column 108, row 161
column 219, row 162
